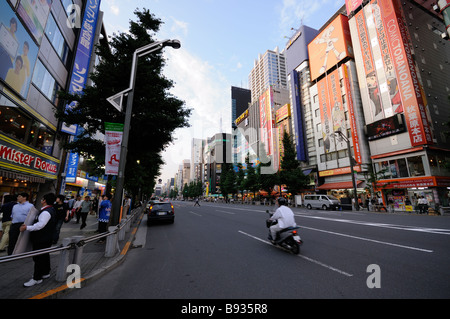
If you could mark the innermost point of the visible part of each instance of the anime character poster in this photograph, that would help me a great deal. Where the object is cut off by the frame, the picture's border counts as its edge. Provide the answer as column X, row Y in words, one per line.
column 373, row 89
column 330, row 46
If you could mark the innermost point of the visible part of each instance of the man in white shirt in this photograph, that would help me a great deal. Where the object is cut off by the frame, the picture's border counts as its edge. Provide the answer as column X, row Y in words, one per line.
column 285, row 217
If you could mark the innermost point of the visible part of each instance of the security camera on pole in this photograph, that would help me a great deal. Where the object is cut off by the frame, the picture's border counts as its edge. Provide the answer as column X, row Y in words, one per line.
column 116, row 101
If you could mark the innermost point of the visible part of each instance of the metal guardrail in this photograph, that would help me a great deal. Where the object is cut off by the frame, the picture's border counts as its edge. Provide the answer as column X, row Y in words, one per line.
column 113, row 236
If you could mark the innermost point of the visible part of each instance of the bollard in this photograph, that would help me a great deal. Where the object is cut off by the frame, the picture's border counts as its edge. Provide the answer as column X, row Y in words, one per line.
column 61, row 270
column 122, row 230
column 111, row 242
column 78, row 250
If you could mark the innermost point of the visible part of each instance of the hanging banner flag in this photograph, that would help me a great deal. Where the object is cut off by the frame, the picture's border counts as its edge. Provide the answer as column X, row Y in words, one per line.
column 113, row 141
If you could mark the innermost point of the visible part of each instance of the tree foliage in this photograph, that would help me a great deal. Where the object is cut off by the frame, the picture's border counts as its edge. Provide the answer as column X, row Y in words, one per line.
column 156, row 113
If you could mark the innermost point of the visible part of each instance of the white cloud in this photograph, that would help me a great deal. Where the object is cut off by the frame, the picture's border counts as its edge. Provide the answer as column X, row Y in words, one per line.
column 179, row 25
column 206, row 92
column 115, row 10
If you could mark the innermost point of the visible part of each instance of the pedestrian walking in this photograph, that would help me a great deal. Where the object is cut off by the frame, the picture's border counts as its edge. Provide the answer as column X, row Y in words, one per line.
column 423, row 205
column 62, row 216
column 41, row 235
column 76, row 208
column 85, row 208
column 9, row 202
column 196, row 202
column 104, row 214
column 18, row 215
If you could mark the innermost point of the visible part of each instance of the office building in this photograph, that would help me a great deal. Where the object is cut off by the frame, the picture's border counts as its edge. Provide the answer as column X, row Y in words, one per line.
column 39, row 49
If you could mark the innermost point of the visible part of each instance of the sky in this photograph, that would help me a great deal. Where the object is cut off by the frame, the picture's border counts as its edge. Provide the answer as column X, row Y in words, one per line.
column 220, row 40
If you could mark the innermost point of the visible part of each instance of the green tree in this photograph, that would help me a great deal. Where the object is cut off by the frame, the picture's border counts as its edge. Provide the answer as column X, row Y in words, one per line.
column 156, row 113
column 291, row 174
column 251, row 183
column 267, row 175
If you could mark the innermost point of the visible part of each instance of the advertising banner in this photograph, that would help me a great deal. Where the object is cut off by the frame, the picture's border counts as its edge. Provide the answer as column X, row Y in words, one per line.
column 410, row 89
column 113, row 141
column 83, row 55
column 371, row 80
column 329, row 47
column 388, row 65
column 265, row 111
column 18, row 52
column 35, row 14
column 352, row 116
column 337, row 109
column 325, row 115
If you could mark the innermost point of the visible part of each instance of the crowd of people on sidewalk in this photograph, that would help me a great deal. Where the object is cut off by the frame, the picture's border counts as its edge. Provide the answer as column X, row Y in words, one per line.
column 45, row 226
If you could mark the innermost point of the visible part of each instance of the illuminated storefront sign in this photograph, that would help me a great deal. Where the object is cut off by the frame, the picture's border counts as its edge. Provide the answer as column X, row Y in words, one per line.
column 21, row 158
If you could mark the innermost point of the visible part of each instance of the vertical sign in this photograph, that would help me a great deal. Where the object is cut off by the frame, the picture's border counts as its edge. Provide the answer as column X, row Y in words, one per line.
column 389, row 69
column 327, row 133
column 337, row 109
column 83, row 55
column 113, row 141
column 410, row 89
column 352, row 116
column 373, row 90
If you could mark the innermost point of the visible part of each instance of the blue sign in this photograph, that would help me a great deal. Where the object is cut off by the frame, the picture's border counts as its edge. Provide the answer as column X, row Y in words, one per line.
column 72, row 166
column 83, row 55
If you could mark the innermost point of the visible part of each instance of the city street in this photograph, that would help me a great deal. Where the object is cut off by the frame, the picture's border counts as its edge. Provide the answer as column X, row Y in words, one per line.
column 220, row 251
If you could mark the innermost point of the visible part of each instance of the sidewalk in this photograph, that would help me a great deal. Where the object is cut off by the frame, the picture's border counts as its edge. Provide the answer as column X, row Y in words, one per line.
column 14, row 274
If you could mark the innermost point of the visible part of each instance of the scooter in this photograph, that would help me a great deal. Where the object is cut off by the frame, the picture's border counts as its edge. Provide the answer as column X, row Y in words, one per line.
column 287, row 238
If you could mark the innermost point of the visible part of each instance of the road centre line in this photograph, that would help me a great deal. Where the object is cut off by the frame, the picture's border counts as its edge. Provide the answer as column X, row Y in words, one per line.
column 195, row 213
column 370, row 240
column 301, row 256
column 222, row 211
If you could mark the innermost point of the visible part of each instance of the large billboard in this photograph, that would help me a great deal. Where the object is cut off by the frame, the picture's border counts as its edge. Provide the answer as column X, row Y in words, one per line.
column 387, row 76
column 18, row 52
column 332, row 112
column 35, row 13
column 266, row 120
column 330, row 46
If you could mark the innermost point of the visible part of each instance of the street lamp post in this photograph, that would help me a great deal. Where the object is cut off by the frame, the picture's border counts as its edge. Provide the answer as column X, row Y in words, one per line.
column 350, row 158
column 142, row 51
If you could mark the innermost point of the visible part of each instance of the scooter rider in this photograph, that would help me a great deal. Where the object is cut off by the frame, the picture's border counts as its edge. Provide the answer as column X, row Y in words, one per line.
column 285, row 217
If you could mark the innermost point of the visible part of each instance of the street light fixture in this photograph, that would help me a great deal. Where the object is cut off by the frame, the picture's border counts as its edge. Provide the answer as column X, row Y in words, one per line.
column 142, row 51
column 350, row 158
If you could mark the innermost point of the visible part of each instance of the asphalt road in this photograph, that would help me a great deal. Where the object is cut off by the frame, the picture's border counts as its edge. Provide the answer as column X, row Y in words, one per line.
column 220, row 251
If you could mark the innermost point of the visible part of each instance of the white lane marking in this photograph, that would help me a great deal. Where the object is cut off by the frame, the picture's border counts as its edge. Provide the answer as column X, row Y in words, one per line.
column 301, row 256
column 370, row 240
column 390, row 226
column 195, row 213
column 222, row 211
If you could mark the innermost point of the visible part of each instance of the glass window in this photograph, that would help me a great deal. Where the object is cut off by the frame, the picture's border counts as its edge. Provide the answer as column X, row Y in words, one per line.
column 57, row 40
column 45, row 82
column 402, row 168
column 17, row 124
column 13, row 122
column 415, row 165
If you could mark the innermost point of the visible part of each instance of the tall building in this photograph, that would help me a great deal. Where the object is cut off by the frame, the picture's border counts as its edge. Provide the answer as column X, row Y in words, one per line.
column 336, row 109
column 217, row 152
column 299, row 80
column 402, row 58
column 269, row 70
column 240, row 98
column 39, row 49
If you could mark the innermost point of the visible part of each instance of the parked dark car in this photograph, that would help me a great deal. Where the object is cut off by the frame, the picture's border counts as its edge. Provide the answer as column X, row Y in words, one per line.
column 160, row 211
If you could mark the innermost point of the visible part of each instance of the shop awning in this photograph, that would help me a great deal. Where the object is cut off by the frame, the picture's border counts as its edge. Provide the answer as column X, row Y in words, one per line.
column 340, row 185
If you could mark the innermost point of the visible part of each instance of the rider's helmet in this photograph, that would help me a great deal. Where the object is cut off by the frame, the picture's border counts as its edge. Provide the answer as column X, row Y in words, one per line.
column 281, row 201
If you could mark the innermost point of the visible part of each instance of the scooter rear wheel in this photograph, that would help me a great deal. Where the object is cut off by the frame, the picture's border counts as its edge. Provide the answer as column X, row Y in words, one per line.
column 295, row 248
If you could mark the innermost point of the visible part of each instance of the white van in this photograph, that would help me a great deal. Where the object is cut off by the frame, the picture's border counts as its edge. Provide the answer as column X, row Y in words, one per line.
column 321, row 201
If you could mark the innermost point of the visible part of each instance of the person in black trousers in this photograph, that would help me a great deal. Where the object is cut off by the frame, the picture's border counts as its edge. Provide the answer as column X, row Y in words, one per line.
column 41, row 236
